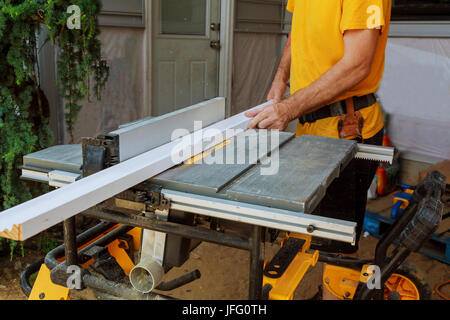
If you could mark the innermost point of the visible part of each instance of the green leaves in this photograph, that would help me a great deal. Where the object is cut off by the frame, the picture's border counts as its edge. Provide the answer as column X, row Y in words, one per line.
column 80, row 54
column 24, row 127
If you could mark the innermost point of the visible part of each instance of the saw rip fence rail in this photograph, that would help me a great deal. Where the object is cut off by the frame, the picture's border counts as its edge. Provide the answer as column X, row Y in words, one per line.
column 267, row 217
column 375, row 153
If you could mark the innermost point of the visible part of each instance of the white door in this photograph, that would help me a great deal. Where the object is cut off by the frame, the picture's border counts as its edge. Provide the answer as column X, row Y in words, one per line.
column 185, row 53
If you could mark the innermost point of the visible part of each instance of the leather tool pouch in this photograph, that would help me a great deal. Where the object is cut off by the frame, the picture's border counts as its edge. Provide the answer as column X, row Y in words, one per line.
column 350, row 124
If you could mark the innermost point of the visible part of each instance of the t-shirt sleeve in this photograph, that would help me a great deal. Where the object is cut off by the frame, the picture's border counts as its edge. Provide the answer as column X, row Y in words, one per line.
column 290, row 6
column 363, row 14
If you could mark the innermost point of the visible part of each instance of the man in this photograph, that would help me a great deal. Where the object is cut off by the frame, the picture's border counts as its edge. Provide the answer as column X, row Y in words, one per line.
column 334, row 60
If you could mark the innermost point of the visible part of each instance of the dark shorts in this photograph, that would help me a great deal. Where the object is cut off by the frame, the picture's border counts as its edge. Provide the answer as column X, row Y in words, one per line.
column 346, row 199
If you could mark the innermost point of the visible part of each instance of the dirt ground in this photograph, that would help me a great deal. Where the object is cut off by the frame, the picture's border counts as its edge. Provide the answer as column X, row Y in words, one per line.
column 224, row 271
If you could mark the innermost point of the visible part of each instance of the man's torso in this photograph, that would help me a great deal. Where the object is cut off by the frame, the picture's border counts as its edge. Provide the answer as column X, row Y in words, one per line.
column 318, row 44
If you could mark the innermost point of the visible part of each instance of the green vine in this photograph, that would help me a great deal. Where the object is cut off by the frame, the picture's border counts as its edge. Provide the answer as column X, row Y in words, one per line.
column 24, row 109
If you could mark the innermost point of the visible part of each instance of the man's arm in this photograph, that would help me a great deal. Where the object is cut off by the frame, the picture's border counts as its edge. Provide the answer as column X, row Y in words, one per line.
column 354, row 67
column 281, row 78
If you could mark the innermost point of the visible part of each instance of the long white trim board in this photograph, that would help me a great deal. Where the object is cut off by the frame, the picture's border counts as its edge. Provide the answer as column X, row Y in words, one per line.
column 28, row 219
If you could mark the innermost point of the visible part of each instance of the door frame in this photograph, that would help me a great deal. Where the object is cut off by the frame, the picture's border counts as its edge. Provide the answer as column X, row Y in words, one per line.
column 227, row 15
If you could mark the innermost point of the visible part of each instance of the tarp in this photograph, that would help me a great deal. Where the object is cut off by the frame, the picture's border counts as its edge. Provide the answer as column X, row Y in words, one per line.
column 415, row 92
column 255, row 61
column 123, row 96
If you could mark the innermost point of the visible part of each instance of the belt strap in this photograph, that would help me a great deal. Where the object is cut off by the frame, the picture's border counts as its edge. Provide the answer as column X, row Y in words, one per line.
column 339, row 108
column 350, row 104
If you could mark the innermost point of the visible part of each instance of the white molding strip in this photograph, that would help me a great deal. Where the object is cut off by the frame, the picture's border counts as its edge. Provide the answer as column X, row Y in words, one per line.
column 28, row 219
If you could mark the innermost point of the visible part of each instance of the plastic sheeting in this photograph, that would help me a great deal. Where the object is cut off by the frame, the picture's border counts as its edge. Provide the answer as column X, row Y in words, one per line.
column 123, row 97
column 255, row 61
column 415, row 92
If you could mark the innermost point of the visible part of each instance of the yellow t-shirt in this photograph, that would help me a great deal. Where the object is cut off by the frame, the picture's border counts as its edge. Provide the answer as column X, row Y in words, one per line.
column 317, row 44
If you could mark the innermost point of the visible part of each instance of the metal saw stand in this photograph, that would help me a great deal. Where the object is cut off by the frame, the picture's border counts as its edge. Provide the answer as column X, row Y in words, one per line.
column 236, row 196
column 239, row 197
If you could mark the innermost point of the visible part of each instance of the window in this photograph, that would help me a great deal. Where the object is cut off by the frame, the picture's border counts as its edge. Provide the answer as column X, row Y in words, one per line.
column 186, row 17
column 420, row 10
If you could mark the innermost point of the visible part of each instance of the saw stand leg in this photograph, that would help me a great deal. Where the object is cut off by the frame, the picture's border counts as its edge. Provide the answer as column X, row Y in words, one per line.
column 256, row 264
column 70, row 242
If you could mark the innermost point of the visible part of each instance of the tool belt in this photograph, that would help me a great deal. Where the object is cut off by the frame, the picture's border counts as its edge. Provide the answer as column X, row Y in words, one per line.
column 338, row 108
column 351, row 121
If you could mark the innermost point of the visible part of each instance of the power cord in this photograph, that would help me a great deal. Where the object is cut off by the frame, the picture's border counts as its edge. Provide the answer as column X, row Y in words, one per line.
column 438, row 288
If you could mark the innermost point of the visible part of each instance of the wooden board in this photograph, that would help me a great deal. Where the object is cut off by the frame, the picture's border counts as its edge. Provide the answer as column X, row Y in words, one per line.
column 28, row 219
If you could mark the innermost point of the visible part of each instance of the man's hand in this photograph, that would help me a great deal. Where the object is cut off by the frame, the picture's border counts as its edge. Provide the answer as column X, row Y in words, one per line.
column 273, row 117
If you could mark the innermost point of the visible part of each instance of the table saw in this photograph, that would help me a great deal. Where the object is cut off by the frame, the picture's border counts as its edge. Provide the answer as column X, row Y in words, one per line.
column 246, row 187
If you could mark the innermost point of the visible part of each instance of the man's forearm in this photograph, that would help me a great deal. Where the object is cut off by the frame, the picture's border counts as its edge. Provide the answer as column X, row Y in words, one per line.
column 284, row 68
column 338, row 80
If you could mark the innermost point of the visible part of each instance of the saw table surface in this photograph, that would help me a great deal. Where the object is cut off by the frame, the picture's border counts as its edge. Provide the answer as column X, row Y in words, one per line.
column 306, row 167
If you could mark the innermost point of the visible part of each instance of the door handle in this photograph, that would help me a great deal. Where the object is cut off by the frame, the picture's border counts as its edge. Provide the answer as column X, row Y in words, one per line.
column 215, row 26
column 215, row 44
